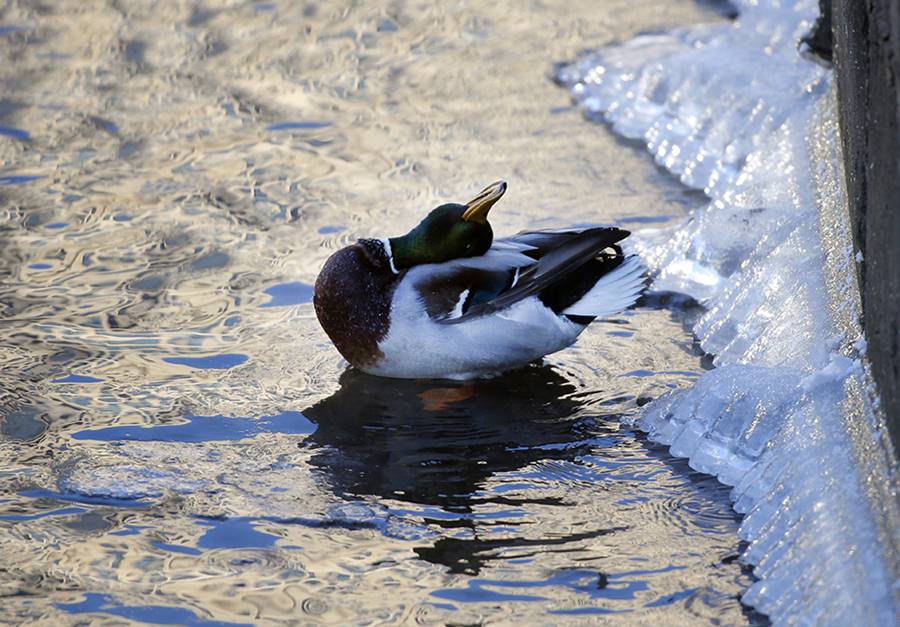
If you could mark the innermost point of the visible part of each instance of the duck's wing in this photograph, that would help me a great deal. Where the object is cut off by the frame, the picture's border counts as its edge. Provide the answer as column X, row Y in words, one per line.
column 448, row 294
column 532, row 263
column 447, row 290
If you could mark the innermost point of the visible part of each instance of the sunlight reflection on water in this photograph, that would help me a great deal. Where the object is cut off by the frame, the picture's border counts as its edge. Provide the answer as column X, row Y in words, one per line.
column 180, row 443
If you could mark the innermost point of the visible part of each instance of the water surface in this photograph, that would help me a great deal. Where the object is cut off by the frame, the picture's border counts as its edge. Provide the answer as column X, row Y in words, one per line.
column 181, row 444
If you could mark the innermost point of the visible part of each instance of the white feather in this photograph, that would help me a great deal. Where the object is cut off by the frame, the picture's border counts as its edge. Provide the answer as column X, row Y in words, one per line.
column 458, row 309
column 503, row 255
column 614, row 292
column 390, row 254
column 508, row 243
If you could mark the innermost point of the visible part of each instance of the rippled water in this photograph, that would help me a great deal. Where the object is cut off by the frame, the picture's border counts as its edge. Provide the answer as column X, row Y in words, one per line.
column 181, row 444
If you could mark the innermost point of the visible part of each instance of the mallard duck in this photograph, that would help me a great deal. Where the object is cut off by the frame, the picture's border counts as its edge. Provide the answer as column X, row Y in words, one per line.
column 447, row 300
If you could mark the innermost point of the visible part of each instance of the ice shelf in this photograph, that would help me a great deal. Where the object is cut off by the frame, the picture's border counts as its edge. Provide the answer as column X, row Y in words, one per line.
column 789, row 416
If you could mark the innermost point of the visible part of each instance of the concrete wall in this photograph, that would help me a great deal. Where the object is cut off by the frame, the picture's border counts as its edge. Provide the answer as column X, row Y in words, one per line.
column 866, row 55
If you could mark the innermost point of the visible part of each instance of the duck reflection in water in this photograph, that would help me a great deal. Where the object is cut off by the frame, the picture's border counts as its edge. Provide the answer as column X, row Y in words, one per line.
column 435, row 442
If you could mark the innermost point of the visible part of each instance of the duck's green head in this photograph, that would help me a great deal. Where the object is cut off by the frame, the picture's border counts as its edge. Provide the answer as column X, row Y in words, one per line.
column 450, row 231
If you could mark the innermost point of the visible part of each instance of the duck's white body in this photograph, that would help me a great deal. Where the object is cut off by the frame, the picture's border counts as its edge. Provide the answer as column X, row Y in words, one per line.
column 418, row 347
column 458, row 346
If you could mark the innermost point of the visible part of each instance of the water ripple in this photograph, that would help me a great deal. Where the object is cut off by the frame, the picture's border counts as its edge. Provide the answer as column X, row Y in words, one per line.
column 178, row 440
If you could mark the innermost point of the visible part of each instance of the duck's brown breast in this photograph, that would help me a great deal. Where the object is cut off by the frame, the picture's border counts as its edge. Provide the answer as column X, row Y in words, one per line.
column 352, row 299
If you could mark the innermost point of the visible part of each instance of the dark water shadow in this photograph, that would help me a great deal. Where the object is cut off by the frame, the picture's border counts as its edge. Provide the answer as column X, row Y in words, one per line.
column 723, row 8
column 435, row 443
column 684, row 310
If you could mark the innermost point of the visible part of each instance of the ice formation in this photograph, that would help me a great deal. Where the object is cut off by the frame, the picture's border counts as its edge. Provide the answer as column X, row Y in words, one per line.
column 787, row 417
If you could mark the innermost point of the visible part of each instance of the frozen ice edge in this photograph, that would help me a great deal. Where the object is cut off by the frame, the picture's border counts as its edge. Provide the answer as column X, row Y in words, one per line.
column 789, row 417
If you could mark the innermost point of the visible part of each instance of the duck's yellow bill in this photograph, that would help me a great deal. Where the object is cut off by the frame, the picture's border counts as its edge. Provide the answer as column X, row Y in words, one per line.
column 477, row 208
